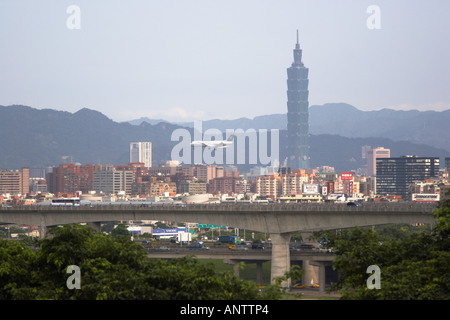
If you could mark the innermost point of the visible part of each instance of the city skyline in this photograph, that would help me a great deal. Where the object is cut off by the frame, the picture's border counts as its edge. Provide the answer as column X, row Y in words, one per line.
column 225, row 60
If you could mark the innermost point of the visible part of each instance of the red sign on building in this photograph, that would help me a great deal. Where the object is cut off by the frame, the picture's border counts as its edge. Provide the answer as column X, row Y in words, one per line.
column 347, row 176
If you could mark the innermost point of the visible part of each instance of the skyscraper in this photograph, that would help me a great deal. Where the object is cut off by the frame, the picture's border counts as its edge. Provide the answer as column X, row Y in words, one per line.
column 297, row 115
column 141, row 152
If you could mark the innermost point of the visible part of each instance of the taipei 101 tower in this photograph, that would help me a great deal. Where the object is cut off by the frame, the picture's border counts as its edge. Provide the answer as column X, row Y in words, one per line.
column 297, row 115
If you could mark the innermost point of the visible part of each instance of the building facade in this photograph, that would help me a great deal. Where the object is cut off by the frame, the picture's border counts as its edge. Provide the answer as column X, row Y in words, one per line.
column 15, row 182
column 226, row 184
column 269, row 186
column 395, row 175
column 292, row 183
column 298, row 114
column 192, row 187
column 70, row 178
column 141, row 152
column 372, row 156
column 109, row 180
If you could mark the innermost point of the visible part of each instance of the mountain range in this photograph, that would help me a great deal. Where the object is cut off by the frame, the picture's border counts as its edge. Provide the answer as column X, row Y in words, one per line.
column 423, row 127
column 32, row 137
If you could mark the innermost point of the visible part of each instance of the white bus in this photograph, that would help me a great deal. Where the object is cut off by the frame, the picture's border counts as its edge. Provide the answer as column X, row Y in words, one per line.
column 66, row 202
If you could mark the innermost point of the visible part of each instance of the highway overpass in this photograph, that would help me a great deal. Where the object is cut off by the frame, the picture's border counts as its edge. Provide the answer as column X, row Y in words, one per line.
column 313, row 261
column 279, row 220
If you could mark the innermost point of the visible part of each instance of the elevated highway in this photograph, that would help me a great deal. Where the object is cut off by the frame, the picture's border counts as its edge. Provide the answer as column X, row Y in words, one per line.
column 279, row 220
column 312, row 257
column 272, row 218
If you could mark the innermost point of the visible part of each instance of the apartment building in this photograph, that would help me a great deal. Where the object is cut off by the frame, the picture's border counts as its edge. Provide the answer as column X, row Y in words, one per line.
column 292, row 182
column 71, row 178
column 269, row 186
column 15, row 181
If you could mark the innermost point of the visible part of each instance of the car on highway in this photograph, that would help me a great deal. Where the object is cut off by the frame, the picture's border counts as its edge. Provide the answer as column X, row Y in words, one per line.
column 354, row 204
column 258, row 246
column 306, row 246
column 164, row 248
column 238, row 247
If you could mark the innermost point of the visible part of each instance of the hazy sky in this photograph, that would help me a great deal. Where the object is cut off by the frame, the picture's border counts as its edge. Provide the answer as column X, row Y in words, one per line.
column 203, row 59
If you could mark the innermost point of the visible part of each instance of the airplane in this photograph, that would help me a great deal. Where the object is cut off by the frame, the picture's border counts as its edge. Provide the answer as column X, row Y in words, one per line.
column 214, row 143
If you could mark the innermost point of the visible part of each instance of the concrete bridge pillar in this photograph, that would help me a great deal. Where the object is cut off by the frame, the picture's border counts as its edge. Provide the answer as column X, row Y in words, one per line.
column 42, row 229
column 259, row 272
column 236, row 268
column 281, row 258
column 236, row 265
column 321, row 265
column 311, row 273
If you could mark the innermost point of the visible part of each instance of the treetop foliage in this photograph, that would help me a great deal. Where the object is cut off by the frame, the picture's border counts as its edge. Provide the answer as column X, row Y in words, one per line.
column 112, row 268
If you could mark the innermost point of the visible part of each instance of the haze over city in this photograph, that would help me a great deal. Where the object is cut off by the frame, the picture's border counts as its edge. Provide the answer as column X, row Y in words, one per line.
column 301, row 177
column 198, row 60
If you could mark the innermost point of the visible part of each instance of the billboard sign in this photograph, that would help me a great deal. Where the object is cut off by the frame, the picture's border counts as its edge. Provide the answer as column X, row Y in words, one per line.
column 330, row 187
column 347, row 176
column 425, row 197
column 310, row 188
column 172, row 232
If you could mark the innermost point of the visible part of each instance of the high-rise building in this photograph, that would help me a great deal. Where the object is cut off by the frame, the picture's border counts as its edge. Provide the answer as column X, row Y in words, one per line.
column 372, row 156
column 297, row 115
column 395, row 175
column 70, row 178
column 141, row 152
column 15, row 182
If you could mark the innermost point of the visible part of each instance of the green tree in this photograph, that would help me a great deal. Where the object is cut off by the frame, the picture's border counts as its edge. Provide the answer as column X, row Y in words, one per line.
column 121, row 230
column 15, row 264
column 112, row 267
column 414, row 263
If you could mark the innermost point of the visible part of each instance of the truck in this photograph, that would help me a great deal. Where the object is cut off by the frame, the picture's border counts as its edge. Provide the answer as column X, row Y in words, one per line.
column 230, row 239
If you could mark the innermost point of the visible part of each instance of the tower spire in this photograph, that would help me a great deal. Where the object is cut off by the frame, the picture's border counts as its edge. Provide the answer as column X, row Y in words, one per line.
column 297, row 45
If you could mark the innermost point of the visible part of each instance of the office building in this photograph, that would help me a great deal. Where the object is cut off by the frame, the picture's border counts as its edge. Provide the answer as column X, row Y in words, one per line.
column 141, row 152
column 395, row 175
column 297, row 115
